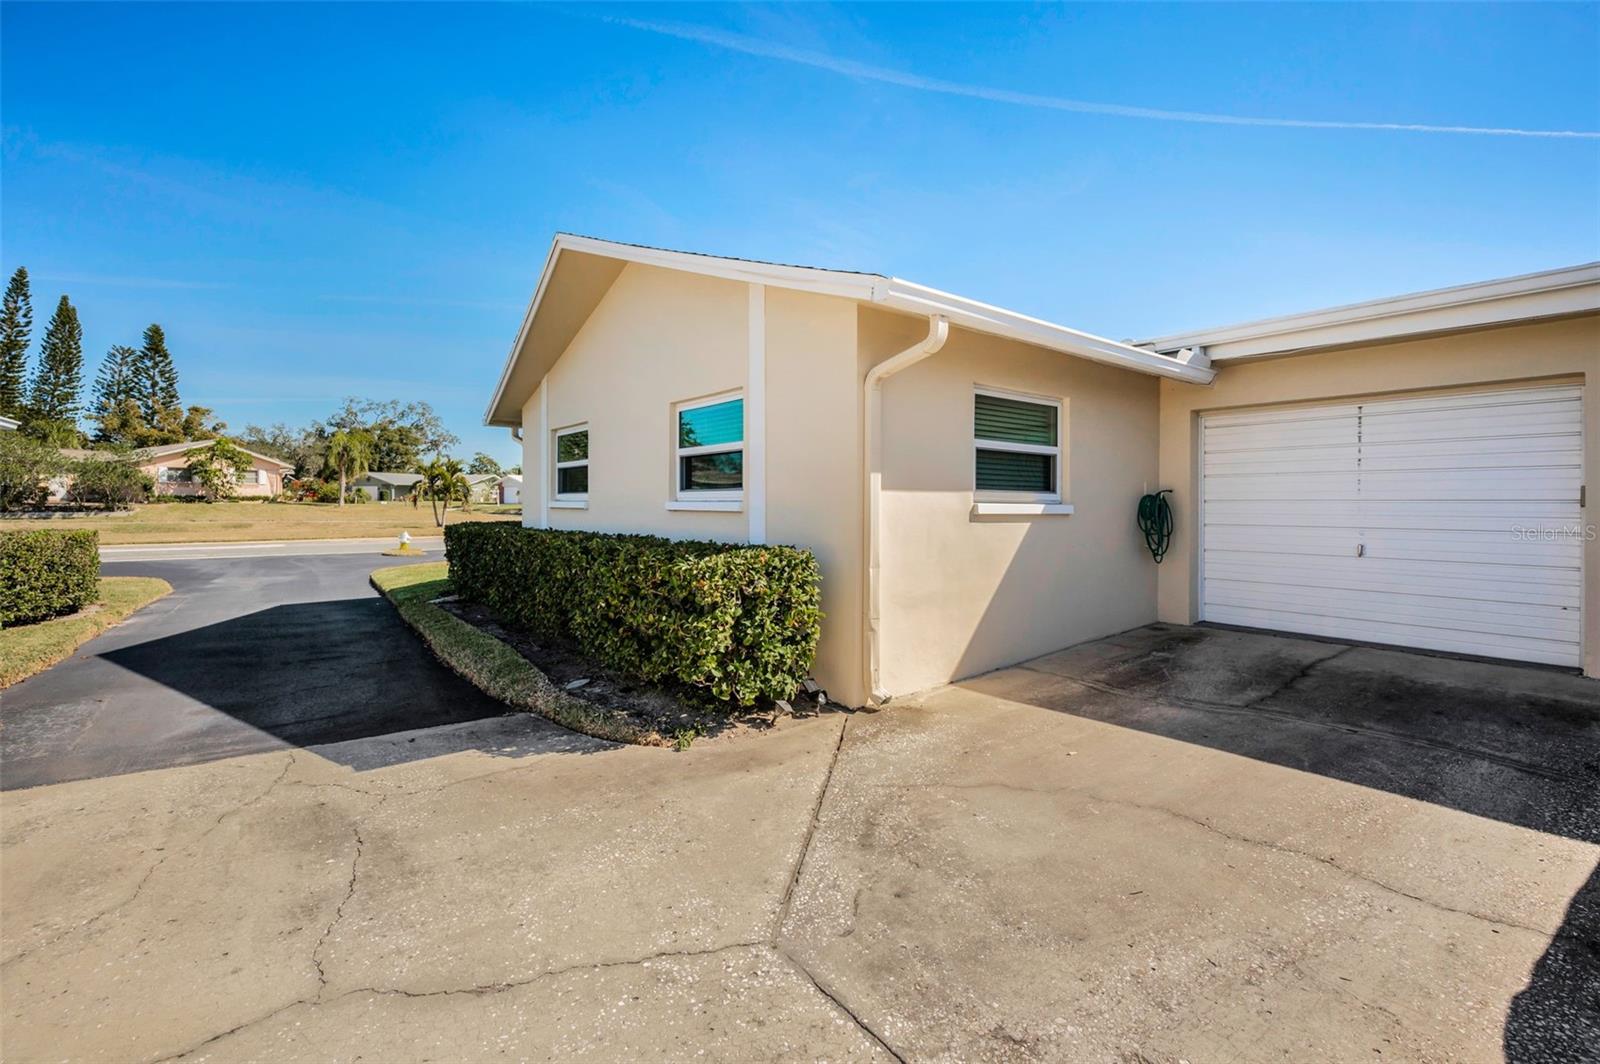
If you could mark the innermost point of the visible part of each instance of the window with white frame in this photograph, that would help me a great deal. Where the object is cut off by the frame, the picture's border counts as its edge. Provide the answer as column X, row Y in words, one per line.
column 710, row 448
column 572, row 463
column 175, row 475
column 250, row 476
column 1016, row 446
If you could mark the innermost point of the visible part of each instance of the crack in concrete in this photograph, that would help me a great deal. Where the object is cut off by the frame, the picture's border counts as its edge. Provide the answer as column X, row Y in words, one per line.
column 232, row 1030
column 338, row 913
column 144, row 880
column 841, row 1005
column 1247, row 840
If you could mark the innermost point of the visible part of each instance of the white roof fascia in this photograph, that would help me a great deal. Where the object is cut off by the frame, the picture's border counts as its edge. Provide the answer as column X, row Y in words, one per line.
column 890, row 292
column 982, row 317
column 1550, row 293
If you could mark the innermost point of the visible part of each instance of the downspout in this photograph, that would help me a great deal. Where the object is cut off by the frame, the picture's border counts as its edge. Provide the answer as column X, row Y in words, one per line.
column 872, row 481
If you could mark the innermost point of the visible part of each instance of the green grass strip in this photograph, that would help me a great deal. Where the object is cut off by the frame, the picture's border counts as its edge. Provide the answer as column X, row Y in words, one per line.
column 31, row 648
column 490, row 665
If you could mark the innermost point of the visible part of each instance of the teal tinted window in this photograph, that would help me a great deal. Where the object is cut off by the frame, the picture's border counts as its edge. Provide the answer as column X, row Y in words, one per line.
column 710, row 426
column 1014, row 420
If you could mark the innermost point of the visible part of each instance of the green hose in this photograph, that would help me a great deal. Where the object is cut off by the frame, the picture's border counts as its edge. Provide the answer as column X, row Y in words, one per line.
column 1155, row 521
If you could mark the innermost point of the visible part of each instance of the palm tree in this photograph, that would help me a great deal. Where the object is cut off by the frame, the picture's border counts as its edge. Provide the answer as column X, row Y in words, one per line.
column 350, row 452
column 444, row 482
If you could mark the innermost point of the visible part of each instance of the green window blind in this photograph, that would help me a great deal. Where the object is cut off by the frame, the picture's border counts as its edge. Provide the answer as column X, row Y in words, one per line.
column 708, row 426
column 1016, row 471
column 1014, row 420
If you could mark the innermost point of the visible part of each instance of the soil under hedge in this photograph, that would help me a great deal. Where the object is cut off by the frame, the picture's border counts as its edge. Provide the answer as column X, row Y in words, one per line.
column 648, row 707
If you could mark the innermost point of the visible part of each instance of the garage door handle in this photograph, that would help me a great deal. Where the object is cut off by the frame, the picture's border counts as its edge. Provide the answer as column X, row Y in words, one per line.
column 1361, row 550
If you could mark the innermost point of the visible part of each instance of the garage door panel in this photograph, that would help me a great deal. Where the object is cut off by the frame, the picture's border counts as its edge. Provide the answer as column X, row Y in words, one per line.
column 1547, row 652
column 1507, row 584
column 1506, row 518
column 1447, row 522
column 1532, row 622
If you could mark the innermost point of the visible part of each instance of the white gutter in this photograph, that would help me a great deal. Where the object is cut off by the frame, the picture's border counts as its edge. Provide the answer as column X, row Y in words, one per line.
column 997, row 321
column 872, row 481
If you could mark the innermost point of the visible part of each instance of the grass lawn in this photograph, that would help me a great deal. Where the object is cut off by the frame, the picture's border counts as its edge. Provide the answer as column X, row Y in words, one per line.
column 236, row 522
column 32, row 648
column 488, row 664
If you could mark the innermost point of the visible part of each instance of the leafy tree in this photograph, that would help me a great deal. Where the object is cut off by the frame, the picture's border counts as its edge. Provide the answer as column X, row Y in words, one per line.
column 198, row 424
column 350, row 455
column 111, row 478
column 54, row 433
column 25, row 465
column 157, row 377
column 300, row 446
column 16, row 325
column 216, row 468
column 58, row 382
column 482, row 463
column 113, row 386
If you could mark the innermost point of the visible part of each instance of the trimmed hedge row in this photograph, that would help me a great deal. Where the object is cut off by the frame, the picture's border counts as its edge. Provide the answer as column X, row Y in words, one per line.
column 739, row 621
column 46, row 573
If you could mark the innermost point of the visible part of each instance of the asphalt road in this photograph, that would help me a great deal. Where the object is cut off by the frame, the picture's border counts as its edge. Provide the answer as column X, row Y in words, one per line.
column 246, row 655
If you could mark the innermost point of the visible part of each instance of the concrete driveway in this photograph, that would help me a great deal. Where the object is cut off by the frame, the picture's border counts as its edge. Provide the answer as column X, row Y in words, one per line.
column 246, row 654
column 1173, row 844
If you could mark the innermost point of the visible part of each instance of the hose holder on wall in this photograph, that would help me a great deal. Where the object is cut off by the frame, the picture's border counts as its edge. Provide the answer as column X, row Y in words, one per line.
column 1155, row 521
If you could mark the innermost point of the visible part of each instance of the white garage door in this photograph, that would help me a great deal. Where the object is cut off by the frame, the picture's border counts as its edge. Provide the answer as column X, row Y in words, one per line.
column 1450, row 522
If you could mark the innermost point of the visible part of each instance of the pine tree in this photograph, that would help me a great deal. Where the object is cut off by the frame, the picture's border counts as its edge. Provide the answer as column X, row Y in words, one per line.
column 157, row 376
column 113, row 384
column 58, row 382
column 16, row 323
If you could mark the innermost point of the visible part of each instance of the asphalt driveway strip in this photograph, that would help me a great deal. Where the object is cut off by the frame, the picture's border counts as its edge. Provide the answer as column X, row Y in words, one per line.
column 246, row 655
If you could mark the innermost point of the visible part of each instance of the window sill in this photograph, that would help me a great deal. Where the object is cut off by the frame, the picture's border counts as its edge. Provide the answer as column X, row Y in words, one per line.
column 569, row 504
column 1021, row 509
column 723, row 505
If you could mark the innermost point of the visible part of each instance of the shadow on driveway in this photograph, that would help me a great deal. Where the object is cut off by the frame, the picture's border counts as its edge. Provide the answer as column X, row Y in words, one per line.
column 235, row 661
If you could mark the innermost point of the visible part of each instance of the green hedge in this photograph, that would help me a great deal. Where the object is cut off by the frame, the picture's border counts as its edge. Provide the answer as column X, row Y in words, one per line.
column 739, row 621
column 46, row 573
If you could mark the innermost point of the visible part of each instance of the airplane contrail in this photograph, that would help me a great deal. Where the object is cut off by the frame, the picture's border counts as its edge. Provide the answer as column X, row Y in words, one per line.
column 736, row 42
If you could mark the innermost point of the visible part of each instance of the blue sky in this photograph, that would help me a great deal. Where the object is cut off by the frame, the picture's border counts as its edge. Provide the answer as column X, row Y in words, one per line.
column 328, row 200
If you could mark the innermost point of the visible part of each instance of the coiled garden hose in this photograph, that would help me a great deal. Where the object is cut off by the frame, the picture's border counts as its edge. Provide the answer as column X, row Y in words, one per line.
column 1155, row 521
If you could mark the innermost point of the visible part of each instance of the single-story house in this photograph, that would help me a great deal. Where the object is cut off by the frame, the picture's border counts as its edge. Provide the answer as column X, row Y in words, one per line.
column 167, row 466
column 386, row 486
column 510, row 489
column 484, row 487
column 1407, row 471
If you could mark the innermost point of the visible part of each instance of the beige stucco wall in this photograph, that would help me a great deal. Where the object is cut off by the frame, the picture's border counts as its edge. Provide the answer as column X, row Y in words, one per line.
column 963, row 594
column 1555, row 350
column 659, row 337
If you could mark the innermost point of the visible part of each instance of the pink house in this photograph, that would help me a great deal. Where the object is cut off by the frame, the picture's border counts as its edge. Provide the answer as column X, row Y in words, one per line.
column 167, row 465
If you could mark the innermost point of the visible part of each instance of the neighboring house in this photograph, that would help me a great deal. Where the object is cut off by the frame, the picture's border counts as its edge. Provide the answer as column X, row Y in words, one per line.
column 9, row 424
column 510, row 489
column 167, row 464
column 386, row 486
column 484, row 487
column 1407, row 471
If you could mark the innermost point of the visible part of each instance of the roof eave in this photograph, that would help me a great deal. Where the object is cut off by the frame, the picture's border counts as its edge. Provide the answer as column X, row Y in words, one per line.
column 1527, row 297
